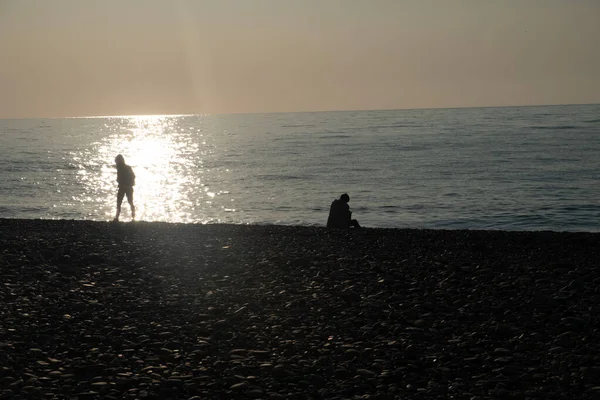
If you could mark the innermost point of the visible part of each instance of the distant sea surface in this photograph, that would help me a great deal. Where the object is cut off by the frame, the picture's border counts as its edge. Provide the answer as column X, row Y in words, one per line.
column 510, row 168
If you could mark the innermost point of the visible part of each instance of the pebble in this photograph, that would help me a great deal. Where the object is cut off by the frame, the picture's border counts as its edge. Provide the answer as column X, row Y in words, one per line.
column 293, row 310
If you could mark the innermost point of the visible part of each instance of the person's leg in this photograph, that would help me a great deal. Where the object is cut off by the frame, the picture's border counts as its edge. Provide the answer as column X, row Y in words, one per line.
column 120, row 195
column 129, row 194
column 354, row 223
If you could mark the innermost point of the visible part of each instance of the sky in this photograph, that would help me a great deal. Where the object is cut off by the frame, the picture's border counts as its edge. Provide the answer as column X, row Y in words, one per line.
column 66, row 58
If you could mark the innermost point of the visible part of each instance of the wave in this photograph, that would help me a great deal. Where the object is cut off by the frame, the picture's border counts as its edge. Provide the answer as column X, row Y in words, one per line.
column 338, row 136
column 15, row 130
column 398, row 147
column 592, row 121
column 319, row 135
column 393, row 126
column 577, row 208
column 30, row 209
column 557, row 127
column 298, row 126
column 386, row 209
column 273, row 177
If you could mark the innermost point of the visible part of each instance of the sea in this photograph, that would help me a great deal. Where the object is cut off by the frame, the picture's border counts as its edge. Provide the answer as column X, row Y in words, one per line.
column 508, row 168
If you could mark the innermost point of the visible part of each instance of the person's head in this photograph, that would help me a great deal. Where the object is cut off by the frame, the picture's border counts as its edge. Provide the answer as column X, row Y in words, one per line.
column 119, row 160
column 345, row 198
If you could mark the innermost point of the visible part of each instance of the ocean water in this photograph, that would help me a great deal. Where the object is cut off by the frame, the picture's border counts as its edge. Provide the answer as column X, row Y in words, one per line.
column 511, row 168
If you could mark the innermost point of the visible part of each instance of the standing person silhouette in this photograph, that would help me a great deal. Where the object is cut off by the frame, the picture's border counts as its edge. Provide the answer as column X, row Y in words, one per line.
column 126, row 181
column 340, row 215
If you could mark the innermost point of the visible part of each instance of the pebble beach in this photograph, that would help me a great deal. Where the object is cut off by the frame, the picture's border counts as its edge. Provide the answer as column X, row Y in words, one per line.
column 100, row 310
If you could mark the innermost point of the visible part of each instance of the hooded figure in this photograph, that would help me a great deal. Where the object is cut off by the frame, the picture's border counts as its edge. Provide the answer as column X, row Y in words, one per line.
column 340, row 215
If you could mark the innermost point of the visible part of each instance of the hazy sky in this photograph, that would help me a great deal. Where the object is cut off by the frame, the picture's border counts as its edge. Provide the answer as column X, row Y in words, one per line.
column 120, row 57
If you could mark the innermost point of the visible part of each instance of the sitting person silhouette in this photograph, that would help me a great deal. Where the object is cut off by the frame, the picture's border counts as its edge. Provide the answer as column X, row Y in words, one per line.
column 340, row 215
column 126, row 181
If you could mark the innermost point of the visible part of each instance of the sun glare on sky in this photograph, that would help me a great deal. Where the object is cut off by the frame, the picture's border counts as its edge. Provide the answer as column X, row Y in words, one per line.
column 81, row 58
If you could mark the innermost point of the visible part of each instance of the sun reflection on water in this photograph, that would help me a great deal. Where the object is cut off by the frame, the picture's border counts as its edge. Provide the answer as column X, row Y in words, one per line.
column 168, row 179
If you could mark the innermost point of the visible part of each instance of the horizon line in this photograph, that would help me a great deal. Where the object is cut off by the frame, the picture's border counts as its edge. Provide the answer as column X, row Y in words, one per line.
column 159, row 115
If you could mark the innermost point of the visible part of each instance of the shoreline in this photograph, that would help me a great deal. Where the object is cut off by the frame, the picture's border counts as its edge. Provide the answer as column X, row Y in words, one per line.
column 141, row 223
column 157, row 310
